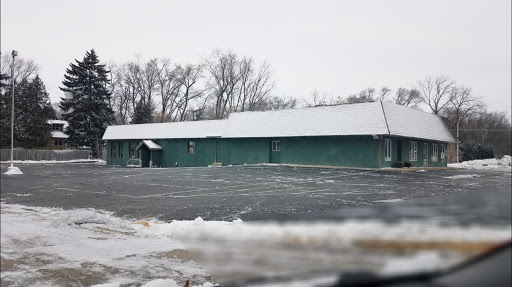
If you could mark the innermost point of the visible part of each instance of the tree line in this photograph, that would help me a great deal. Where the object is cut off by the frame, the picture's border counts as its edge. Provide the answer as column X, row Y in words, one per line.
column 157, row 90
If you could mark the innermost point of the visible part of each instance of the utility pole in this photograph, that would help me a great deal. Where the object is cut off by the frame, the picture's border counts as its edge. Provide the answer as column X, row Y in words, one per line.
column 12, row 169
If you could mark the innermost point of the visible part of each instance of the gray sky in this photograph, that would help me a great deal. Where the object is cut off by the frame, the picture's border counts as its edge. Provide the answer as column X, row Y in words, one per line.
column 336, row 47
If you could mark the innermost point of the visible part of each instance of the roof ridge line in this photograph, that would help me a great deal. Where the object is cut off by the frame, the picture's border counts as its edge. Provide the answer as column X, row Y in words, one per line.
column 385, row 119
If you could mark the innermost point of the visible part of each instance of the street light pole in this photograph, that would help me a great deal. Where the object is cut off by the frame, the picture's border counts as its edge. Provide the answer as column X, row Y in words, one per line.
column 14, row 54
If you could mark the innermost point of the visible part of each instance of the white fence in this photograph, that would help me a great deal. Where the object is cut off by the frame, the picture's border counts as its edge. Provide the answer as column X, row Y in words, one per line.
column 39, row 154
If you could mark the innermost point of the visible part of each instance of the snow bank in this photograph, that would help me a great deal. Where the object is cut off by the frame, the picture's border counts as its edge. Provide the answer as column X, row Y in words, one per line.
column 13, row 170
column 86, row 239
column 492, row 163
column 325, row 233
column 148, row 252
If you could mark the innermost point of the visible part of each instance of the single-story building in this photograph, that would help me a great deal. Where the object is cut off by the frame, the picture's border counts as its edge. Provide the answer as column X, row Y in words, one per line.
column 367, row 135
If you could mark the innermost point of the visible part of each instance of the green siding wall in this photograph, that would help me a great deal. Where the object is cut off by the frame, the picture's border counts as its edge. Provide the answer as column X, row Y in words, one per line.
column 250, row 151
column 347, row 151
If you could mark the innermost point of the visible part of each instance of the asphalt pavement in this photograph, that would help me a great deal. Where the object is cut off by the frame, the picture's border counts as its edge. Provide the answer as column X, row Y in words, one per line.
column 262, row 192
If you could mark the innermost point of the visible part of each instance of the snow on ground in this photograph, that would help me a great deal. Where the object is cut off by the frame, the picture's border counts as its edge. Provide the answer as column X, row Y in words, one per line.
column 57, row 161
column 49, row 246
column 55, row 247
column 460, row 176
column 13, row 170
column 236, row 250
column 492, row 163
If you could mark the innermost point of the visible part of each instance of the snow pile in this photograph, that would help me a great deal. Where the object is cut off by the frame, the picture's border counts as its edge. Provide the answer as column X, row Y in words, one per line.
column 492, row 163
column 330, row 234
column 269, row 248
column 41, row 243
column 13, row 170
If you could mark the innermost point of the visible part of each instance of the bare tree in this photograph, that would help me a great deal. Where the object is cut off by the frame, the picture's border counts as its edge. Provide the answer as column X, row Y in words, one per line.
column 169, row 86
column 224, row 77
column 260, row 87
column 235, row 83
column 23, row 68
column 121, row 94
column 317, row 98
column 409, row 98
column 279, row 103
column 188, row 79
column 384, row 92
column 436, row 92
column 464, row 104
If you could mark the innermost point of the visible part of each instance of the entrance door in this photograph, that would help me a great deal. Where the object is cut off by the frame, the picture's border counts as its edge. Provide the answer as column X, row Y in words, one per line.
column 218, row 151
column 145, row 156
column 425, row 154
column 275, row 151
column 398, row 151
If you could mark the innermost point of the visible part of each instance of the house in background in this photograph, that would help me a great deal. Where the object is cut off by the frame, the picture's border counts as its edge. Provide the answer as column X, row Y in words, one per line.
column 367, row 135
column 58, row 139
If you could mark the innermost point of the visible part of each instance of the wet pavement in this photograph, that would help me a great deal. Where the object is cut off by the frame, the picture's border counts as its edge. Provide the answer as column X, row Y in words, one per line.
column 264, row 192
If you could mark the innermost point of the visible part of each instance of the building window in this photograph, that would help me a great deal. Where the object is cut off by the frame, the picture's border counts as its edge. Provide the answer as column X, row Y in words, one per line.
column 434, row 152
column 276, row 146
column 113, row 150
column 131, row 149
column 121, row 150
column 58, row 142
column 425, row 152
column 191, row 147
column 443, row 153
column 413, row 151
column 387, row 145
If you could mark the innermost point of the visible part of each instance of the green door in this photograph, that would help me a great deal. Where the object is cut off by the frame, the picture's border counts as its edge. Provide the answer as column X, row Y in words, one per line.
column 275, row 151
column 144, row 155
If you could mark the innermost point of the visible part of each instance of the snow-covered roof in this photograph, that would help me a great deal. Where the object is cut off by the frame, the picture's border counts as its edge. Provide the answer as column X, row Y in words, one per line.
column 342, row 120
column 174, row 130
column 150, row 144
column 412, row 123
column 355, row 119
column 59, row 135
column 58, row 122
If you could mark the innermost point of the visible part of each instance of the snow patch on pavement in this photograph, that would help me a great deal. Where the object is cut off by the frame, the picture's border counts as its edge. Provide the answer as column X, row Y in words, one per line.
column 13, row 170
column 389, row 200
column 492, row 163
column 58, row 161
column 90, row 242
column 462, row 176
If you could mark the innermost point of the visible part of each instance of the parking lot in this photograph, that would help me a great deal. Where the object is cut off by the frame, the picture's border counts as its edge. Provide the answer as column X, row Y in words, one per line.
column 227, row 193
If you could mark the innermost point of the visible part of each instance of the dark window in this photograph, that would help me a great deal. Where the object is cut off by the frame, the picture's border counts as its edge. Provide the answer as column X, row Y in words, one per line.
column 58, row 142
column 191, row 147
column 57, row 127
column 131, row 149
column 276, row 146
column 113, row 150
column 121, row 149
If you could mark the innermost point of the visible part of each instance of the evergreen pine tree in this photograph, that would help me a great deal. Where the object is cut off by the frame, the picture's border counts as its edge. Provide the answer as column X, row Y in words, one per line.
column 86, row 107
column 142, row 114
column 31, row 114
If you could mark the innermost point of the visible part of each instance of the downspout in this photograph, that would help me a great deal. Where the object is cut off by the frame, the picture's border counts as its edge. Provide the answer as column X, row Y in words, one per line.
column 387, row 127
